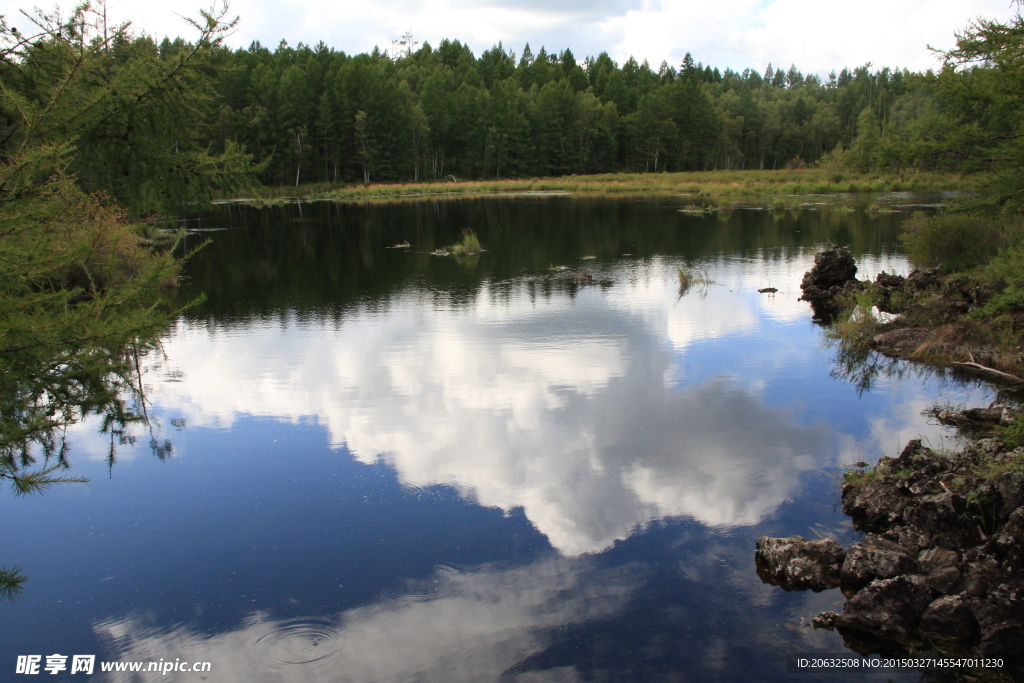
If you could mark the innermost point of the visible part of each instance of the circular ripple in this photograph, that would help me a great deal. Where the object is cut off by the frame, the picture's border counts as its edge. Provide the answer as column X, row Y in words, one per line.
column 297, row 641
column 443, row 581
column 111, row 572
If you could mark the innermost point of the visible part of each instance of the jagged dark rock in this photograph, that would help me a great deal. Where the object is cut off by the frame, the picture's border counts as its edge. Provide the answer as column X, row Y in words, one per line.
column 949, row 620
column 876, row 503
column 825, row 620
column 888, row 607
column 834, row 273
column 921, row 280
column 942, row 564
column 832, row 267
column 798, row 564
column 875, row 558
column 886, row 285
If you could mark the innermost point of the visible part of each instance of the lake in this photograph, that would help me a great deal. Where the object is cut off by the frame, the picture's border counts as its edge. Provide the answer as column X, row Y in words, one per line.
column 548, row 462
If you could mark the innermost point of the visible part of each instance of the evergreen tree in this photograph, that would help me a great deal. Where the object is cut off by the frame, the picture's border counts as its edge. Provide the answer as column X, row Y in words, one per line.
column 982, row 82
column 135, row 117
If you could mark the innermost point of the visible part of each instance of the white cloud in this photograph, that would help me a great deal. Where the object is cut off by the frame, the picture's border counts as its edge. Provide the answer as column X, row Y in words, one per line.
column 816, row 36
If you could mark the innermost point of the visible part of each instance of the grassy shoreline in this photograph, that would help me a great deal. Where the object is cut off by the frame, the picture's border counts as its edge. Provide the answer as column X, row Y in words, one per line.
column 711, row 184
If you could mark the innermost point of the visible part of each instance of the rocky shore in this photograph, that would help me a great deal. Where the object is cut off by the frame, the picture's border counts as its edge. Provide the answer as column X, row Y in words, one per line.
column 941, row 565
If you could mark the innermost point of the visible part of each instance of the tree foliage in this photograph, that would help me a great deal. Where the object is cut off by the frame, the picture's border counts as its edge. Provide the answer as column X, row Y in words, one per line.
column 113, row 110
column 97, row 126
column 982, row 84
column 441, row 112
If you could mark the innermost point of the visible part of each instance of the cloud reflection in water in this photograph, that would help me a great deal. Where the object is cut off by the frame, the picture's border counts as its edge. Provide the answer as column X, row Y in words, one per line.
column 488, row 621
column 564, row 407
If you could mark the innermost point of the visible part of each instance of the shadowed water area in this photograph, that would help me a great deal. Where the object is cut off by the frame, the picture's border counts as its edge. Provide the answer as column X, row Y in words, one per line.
column 367, row 463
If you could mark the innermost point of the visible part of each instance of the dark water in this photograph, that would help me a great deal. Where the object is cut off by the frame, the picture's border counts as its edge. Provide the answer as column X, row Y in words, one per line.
column 374, row 464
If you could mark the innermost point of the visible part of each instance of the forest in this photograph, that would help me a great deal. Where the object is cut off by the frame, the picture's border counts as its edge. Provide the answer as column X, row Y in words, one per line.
column 297, row 115
column 313, row 114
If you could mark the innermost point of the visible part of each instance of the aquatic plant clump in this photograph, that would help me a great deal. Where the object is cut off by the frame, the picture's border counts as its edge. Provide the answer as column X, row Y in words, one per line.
column 688, row 280
column 469, row 245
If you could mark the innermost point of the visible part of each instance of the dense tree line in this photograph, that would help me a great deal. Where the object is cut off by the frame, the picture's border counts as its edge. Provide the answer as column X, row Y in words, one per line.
column 316, row 114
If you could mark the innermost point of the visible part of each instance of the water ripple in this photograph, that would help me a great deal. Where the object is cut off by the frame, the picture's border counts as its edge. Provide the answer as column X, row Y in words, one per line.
column 297, row 641
column 444, row 580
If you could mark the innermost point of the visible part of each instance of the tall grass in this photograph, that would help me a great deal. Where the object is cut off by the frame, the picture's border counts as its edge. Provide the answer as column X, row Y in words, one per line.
column 469, row 245
column 706, row 183
column 688, row 279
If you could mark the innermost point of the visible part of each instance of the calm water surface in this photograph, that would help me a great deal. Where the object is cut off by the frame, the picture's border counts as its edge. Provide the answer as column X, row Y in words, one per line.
column 373, row 464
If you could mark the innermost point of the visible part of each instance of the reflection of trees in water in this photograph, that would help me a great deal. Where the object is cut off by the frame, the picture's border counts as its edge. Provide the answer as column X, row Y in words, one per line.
column 284, row 270
column 863, row 367
column 42, row 395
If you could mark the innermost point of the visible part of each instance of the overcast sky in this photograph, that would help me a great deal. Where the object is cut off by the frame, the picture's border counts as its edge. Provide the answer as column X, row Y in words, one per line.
column 816, row 35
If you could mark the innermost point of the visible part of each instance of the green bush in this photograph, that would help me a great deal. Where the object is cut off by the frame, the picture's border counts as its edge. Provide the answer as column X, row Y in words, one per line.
column 953, row 242
column 1005, row 275
column 469, row 246
column 1013, row 434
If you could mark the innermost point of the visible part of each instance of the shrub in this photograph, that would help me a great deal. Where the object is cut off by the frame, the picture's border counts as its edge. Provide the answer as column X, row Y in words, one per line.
column 954, row 242
column 1005, row 275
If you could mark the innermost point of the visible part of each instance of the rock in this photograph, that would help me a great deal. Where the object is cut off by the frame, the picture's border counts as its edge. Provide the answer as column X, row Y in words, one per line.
column 798, row 564
column 889, row 607
column 982, row 574
column 1009, row 486
column 937, row 558
column 834, row 273
column 826, row 620
column 1008, row 544
column 875, row 558
column 1003, row 638
column 832, row 267
column 940, row 568
column 990, row 446
column 948, row 619
column 921, row 280
column 943, row 580
column 911, row 539
column 876, row 503
column 886, row 284
column 902, row 342
column 1008, row 597
column 890, row 280
column 943, row 518
column 913, row 448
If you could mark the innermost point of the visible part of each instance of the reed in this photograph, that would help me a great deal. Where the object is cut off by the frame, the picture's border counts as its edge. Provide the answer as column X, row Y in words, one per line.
column 718, row 184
